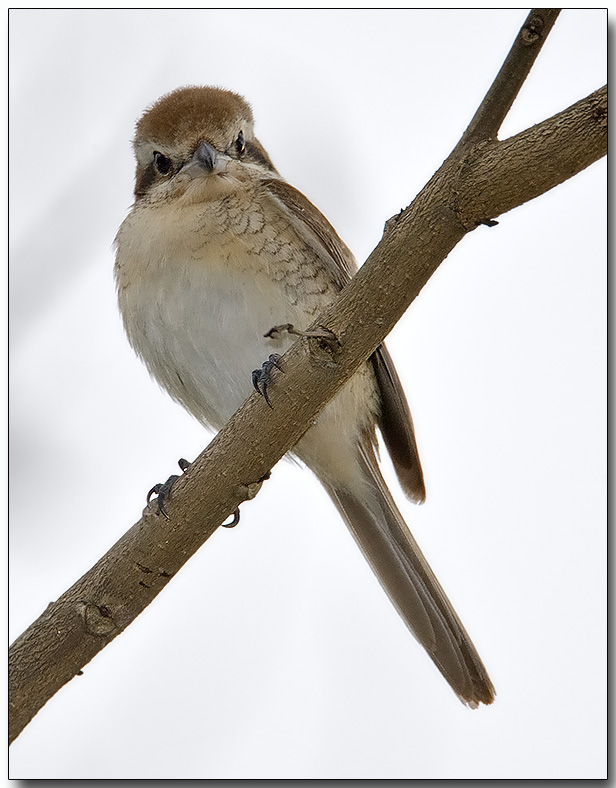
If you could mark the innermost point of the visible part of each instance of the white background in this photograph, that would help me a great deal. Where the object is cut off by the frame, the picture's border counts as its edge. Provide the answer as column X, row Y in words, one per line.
column 274, row 653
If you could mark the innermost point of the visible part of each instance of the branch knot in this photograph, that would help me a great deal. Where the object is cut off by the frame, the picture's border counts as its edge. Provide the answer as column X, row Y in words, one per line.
column 97, row 619
column 531, row 32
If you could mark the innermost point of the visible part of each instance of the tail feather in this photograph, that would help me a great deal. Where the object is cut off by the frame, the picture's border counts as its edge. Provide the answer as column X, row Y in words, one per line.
column 404, row 573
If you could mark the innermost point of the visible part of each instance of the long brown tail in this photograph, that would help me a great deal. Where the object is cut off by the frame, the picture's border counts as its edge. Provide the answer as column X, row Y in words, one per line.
column 404, row 573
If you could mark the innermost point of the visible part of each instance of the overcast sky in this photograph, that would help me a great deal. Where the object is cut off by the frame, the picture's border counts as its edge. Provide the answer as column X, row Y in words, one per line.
column 275, row 653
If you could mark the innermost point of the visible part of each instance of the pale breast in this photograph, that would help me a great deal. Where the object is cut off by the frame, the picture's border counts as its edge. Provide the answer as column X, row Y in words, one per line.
column 199, row 288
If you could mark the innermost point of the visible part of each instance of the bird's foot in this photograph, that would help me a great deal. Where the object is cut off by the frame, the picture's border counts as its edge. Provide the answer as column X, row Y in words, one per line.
column 251, row 490
column 163, row 491
column 261, row 377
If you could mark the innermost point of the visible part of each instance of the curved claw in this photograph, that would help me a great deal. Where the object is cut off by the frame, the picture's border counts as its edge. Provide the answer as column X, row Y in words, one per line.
column 163, row 491
column 154, row 491
column 261, row 377
column 234, row 521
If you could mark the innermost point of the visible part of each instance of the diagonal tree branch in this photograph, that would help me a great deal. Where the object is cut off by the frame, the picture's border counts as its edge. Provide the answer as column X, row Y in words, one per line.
column 477, row 182
column 498, row 100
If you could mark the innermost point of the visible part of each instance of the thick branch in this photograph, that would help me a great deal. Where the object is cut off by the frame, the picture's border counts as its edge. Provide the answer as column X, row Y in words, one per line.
column 498, row 176
column 481, row 182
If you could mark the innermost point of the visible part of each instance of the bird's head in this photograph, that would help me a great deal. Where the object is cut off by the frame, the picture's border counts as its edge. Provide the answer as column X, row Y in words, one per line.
column 192, row 141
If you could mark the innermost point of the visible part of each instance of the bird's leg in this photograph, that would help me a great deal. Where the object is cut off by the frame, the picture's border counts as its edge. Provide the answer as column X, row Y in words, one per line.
column 323, row 344
column 320, row 333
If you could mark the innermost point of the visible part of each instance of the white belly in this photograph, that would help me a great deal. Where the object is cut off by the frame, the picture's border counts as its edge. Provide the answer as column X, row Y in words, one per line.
column 197, row 319
column 200, row 333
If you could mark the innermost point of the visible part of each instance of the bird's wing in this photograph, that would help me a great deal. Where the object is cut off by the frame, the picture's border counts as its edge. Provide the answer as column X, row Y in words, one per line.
column 369, row 509
column 396, row 426
column 395, row 421
column 312, row 226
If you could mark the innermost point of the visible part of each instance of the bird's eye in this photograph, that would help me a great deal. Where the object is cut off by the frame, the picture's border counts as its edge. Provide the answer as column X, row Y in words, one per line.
column 162, row 163
column 240, row 143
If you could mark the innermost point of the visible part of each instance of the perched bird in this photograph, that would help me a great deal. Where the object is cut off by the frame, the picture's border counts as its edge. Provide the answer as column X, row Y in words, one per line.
column 217, row 249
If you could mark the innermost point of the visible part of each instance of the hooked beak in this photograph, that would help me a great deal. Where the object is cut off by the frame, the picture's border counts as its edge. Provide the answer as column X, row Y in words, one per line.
column 207, row 158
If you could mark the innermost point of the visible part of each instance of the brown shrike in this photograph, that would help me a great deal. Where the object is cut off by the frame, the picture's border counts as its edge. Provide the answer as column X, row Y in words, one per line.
column 217, row 249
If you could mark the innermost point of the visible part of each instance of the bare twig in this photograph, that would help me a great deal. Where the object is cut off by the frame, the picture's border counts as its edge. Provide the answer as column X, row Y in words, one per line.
column 498, row 100
column 481, row 182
